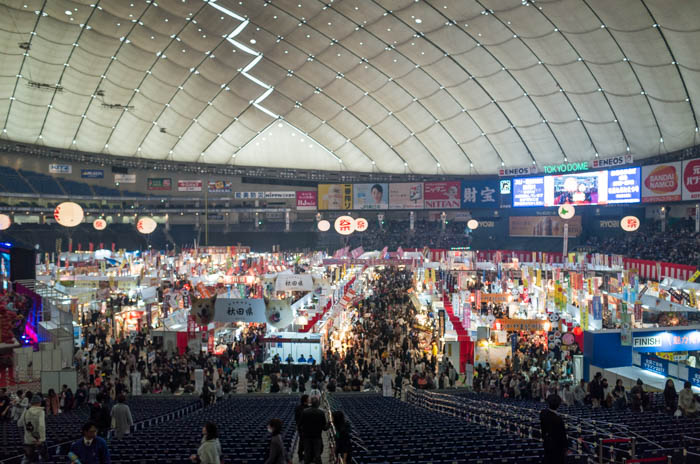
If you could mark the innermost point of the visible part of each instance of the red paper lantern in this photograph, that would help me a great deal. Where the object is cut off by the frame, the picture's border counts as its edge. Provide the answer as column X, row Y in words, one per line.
column 578, row 331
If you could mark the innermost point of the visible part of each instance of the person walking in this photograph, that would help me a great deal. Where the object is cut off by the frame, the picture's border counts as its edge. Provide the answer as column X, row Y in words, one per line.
column 100, row 415
column 553, row 432
column 90, row 449
column 686, row 401
column 670, row 397
column 313, row 423
column 121, row 417
column 209, row 452
column 343, row 443
column 303, row 404
column 33, row 422
column 276, row 454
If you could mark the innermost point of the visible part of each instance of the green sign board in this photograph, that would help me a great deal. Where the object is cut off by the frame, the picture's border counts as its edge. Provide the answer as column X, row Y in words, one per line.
column 566, row 167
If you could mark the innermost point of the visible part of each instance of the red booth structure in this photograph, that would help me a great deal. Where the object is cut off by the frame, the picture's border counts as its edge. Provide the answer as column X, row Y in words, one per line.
column 466, row 346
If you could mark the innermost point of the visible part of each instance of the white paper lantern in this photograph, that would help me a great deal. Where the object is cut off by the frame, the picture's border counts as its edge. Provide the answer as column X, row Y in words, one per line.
column 146, row 225
column 344, row 225
column 69, row 214
column 629, row 223
column 5, row 222
column 472, row 224
column 99, row 224
column 361, row 224
column 323, row 226
column 567, row 211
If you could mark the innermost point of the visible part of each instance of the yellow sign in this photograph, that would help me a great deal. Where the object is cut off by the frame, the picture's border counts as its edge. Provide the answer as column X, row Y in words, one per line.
column 513, row 325
column 694, row 277
column 495, row 298
column 334, row 196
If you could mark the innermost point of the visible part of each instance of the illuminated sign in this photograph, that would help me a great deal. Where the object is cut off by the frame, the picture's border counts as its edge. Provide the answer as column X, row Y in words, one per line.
column 566, row 167
column 672, row 340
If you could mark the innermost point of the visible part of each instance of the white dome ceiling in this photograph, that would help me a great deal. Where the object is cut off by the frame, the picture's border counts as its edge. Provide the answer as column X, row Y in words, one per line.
column 396, row 86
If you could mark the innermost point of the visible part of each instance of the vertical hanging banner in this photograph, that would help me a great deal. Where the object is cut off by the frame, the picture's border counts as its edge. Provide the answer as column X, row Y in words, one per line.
column 566, row 239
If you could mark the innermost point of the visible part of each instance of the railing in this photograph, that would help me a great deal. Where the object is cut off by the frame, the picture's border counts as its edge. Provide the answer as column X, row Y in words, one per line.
column 587, row 442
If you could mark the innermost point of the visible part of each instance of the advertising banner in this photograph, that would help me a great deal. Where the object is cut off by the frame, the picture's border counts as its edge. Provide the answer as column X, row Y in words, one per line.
column 280, row 195
column 159, row 183
column 661, row 182
column 60, row 169
column 219, row 186
column 334, row 196
column 654, row 364
column 306, row 200
column 406, row 195
column 623, row 185
column 125, row 178
column 442, row 195
column 239, row 310
column 543, row 226
column 528, row 192
column 370, row 196
column 694, row 376
column 480, row 193
column 92, row 173
column 189, row 185
column 672, row 340
column 294, row 283
column 691, row 179
column 516, row 325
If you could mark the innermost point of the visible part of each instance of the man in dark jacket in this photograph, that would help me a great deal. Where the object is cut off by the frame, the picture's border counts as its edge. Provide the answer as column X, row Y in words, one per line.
column 596, row 390
column 553, row 432
column 303, row 405
column 90, row 449
column 313, row 423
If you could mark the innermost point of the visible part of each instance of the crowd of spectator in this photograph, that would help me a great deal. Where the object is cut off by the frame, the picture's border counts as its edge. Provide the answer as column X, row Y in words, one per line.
column 679, row 244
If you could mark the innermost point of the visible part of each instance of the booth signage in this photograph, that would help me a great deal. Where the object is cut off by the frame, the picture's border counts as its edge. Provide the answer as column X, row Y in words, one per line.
column 694, row 376
column 496, row 298
column 645, row 342
column 517, row 171
column 293, row 283
column 675, row 340
column 654, row 364
column 513, row 325
column 239, row 310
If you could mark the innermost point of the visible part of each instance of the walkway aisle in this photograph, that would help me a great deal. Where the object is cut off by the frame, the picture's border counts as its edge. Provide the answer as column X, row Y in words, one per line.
column 242, row 386
column 326, row 456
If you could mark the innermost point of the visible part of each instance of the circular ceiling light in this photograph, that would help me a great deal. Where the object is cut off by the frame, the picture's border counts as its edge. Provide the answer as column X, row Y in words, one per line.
column 68, row 12
column 418, row 20
column 253, row 41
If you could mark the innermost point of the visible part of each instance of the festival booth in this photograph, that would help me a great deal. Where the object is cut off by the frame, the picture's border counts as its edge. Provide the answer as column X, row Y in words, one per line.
column 651, row 354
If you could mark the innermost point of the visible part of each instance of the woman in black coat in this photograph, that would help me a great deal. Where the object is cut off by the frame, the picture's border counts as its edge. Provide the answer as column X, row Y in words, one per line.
column 343, row 443
column 277, row 454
